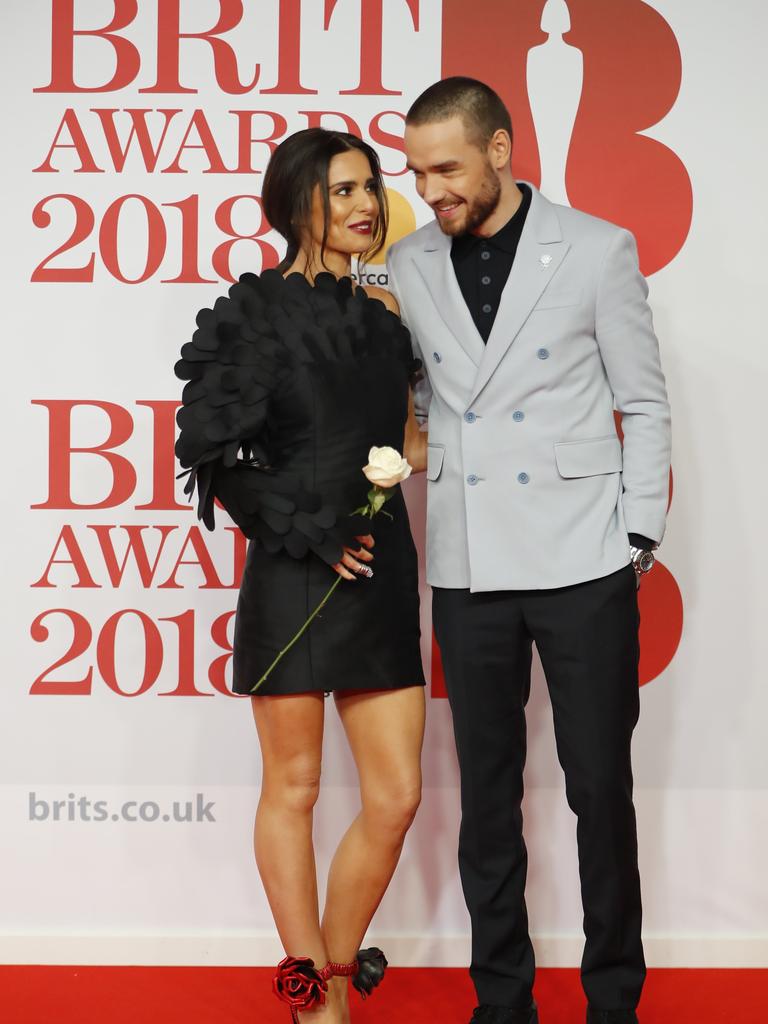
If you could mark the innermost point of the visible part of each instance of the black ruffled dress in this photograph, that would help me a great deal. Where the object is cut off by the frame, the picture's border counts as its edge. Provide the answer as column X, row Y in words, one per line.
column 289, row 386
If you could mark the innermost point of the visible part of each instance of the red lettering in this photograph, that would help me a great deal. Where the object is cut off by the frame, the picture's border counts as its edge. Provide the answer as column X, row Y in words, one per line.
column 75, row 558
column 222, row 253
column 207, row 143
column 169, row 36
column 153, row 652
column 289, row 52
column 382, row 138
column 135, row 548
column 61, row 451
column 157, row 238
column 185, row 683
column 78, row 144
column 84, row 222
column 163, row 462
column 118, row 151
column 371, row 45
column 245, row 139
column 189, row 273
column 315, row 120
column 81, row 641
column 128, row 59
column 202, row 560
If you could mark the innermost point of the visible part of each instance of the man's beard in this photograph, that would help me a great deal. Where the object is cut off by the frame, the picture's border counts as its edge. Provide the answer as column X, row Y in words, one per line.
column 481, row 207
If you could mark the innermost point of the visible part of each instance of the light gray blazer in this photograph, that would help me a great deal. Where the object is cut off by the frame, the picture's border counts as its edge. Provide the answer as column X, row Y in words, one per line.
column 528, row 486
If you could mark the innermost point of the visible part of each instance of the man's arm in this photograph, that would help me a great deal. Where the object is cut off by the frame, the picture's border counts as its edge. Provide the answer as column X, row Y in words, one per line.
column 630, row 353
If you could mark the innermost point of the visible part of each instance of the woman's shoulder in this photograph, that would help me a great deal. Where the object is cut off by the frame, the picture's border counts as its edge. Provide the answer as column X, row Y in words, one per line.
column 384, row 296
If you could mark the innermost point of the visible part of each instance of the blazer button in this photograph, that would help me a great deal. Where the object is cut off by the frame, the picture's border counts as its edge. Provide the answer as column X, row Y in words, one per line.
column 437, row 357
column 469, row 417
column 543, row 353
column 472, row 479
column 518, row 416
column 523, row 478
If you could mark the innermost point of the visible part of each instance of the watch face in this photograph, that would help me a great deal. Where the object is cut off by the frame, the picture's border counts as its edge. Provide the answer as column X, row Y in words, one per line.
column 645, row 561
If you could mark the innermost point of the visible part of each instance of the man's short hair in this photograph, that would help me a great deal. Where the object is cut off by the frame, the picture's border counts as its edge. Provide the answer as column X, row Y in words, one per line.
column 479, row 107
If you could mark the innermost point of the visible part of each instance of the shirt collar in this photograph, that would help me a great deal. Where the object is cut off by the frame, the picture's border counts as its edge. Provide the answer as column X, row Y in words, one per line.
column 506, row 238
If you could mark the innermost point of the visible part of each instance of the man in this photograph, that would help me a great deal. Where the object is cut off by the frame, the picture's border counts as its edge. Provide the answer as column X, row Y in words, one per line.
column 532, row 323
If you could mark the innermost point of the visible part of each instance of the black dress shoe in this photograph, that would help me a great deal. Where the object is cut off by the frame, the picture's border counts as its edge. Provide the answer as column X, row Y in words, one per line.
column 486, row 1014
column 611, row 1016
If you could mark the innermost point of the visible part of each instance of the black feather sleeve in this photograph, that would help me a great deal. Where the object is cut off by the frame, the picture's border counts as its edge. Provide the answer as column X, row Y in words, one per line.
column 233, row 365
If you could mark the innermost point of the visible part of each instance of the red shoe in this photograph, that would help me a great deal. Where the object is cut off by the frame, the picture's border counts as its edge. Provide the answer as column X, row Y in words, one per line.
column 299, row 984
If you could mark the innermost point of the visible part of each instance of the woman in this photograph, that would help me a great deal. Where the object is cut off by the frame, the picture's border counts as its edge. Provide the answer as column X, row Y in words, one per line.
column 292, row 379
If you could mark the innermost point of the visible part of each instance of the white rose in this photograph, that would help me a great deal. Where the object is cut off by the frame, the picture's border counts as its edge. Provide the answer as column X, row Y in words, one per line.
column 386, row 467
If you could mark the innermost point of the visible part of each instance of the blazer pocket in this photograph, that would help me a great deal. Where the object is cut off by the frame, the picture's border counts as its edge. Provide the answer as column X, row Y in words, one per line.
column 591, row 457
column 569, row 297
column 435, row 456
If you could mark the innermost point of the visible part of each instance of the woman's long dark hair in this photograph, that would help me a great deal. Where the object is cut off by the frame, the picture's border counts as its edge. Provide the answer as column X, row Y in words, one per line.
column 300, row 163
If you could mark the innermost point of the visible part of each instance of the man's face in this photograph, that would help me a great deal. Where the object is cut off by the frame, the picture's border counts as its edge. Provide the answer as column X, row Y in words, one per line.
column 453, row 175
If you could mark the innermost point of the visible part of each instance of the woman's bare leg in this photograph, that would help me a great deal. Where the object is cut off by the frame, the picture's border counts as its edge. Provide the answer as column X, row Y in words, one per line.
column 385, row 730
column 290, row 732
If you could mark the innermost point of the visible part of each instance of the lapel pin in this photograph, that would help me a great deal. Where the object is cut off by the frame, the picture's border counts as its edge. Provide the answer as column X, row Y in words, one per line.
column 545, row 261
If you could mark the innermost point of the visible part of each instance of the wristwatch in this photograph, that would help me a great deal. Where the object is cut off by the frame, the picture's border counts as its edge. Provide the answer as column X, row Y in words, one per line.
column 642, row 560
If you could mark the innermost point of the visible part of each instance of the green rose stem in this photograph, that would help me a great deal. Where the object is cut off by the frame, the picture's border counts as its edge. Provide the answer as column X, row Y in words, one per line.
column 376, row 498
column 301, row 632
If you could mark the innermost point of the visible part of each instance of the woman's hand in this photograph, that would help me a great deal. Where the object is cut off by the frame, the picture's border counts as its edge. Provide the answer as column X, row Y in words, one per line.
column 354, row 560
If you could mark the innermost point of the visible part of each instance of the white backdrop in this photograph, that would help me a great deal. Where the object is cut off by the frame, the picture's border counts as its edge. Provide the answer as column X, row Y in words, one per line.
column 77, row 746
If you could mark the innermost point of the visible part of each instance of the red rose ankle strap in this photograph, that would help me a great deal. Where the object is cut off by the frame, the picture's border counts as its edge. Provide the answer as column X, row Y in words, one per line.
column 299, row 984
column 342, row 970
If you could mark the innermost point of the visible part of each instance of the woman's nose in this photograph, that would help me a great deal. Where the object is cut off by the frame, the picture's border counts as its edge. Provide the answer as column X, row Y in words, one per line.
column 367, row 202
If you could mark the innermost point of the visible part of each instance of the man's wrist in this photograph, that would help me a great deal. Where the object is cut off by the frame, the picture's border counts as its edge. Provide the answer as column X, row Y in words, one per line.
column 638, row 540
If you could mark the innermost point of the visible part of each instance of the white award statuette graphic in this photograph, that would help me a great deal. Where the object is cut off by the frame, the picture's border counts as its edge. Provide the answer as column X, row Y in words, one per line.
column 555, row 80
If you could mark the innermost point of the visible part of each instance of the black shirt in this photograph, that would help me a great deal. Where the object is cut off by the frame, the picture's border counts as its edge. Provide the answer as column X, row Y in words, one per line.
column 482, row 266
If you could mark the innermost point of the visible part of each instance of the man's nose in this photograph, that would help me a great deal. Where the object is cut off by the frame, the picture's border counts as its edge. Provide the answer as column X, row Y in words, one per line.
column 433, row 191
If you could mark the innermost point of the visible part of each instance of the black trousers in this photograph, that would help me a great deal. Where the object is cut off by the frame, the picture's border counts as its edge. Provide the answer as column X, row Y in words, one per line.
column 587, row 638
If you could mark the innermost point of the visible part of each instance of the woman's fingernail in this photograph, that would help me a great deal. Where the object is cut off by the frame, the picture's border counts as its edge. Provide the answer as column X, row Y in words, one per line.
column 364, row 570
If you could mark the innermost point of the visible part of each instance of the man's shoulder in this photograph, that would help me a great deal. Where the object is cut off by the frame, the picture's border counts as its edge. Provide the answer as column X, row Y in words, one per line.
column 578, row 224
column 415, row 241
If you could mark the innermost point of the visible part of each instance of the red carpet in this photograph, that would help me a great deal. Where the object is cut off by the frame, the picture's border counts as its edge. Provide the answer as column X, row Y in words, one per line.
column 222, row 995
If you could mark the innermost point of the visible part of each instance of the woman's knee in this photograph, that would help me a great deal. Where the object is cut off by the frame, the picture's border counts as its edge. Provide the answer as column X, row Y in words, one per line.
column 292, row 787
column 392, row 807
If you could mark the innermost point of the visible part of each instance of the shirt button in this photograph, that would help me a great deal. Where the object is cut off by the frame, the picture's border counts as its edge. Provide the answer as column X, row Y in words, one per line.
column 487, row 307
column 543, row 353
column 485, row 255
column 485, row 280
column 470, row 417
column 518, row 416
column 437, row 357
column 523, row 478
column 472, row 479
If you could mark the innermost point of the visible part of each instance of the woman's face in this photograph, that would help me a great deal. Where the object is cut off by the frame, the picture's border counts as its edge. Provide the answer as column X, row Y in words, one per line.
column 354, row 207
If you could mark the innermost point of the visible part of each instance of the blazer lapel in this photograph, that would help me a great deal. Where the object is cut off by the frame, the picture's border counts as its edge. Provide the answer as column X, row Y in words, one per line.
column 434, row 265
column 539, row 254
